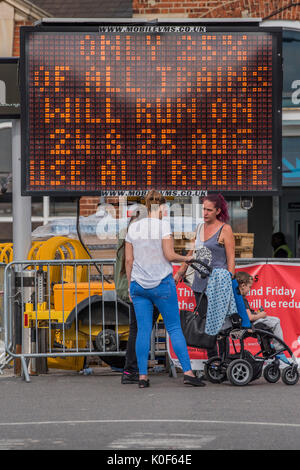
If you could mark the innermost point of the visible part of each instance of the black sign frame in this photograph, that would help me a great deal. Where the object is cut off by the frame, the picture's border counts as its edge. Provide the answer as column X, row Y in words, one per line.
column 209, row 27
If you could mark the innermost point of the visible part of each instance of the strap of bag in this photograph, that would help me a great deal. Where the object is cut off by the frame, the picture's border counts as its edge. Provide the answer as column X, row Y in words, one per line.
column 202, row 293
column 198, row 304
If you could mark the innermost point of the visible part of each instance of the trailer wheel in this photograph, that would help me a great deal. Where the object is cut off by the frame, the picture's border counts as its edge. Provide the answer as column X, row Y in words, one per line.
column 107, row 341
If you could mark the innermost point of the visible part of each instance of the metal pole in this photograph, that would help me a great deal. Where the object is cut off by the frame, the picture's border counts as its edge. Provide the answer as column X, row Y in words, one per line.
column 21, row 218
column 21, row 204
column 46, row 209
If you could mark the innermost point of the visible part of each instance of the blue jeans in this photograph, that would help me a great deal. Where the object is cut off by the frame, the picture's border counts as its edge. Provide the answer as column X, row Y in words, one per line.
column 164, row 296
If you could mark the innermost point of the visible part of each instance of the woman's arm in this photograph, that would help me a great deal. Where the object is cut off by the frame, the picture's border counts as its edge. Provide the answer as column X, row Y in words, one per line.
column 183, row 268
column 128, row 261
column 170, row 254
column 229, row 244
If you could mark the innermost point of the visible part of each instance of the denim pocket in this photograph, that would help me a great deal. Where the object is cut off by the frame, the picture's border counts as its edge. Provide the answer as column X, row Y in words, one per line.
column 164, row 289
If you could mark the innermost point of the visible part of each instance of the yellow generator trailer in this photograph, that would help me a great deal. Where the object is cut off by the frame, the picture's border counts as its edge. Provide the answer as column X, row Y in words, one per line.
column 81, row 314
column 83, row 318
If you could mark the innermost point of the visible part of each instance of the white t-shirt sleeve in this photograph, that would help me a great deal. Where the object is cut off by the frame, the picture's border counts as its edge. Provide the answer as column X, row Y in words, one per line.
column 165, row 229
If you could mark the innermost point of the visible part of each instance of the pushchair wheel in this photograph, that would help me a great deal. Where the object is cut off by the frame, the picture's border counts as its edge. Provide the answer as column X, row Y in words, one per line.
column 240, row 372
column 272, row 373
column 214, row 371
column 290, row 375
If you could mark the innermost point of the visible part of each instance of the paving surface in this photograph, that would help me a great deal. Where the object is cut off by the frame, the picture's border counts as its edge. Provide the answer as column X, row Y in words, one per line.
column 65, row 410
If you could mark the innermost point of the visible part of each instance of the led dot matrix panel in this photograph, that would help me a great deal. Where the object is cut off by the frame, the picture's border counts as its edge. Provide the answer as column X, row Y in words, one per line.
column 115, row 111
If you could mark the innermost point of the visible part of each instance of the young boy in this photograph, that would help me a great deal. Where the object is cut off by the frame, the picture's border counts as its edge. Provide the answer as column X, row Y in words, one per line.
column 245, row 282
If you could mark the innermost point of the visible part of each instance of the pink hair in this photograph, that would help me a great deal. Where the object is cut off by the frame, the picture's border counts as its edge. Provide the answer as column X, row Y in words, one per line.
column 219, row 203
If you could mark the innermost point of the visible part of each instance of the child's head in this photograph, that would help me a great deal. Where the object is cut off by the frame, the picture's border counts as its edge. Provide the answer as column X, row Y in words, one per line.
column 245, row 282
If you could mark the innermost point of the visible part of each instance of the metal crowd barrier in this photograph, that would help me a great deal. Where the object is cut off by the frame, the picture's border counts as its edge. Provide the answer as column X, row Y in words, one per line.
column 60, row 309
column 2, row 344
column 244, row 261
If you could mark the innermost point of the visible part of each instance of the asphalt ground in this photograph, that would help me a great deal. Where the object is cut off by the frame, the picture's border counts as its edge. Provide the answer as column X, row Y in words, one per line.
column 63, row 410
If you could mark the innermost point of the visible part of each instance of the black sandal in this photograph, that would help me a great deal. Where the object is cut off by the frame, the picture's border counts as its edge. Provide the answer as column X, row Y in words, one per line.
column 194, row 381
column 144, row 383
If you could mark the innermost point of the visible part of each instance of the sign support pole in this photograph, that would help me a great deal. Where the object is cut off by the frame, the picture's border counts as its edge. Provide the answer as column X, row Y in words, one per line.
column 21, row 225
column 21, row 204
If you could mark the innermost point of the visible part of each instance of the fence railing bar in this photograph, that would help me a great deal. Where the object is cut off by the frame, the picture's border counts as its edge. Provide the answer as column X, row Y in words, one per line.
column 90, row 307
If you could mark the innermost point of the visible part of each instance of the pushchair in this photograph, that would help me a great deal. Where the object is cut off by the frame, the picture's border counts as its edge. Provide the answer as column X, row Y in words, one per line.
column 241, row 367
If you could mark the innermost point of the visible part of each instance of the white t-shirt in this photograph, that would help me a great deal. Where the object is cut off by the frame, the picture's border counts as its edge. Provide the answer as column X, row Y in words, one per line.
column 150, row 265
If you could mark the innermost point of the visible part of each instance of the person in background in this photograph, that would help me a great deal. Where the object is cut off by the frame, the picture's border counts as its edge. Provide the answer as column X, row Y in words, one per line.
column 130, row 373
column 149, row 251
column 214, row 245
column 281, row 249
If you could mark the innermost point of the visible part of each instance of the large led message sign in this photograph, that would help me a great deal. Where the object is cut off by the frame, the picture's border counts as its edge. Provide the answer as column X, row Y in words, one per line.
column 182, row 110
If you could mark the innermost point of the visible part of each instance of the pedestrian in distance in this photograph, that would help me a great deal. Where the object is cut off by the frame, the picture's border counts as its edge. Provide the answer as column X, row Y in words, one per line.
column 149, row 251
column 280, row 247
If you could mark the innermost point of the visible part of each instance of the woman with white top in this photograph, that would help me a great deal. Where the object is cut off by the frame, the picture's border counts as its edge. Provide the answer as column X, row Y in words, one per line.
column 149, row 251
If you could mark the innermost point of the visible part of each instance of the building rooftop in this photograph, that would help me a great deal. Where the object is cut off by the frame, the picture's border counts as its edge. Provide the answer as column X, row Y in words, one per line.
column 86, row 8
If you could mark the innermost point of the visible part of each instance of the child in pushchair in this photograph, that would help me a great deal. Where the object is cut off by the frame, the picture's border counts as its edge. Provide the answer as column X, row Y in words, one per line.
column 241, row 367
column 260, row 319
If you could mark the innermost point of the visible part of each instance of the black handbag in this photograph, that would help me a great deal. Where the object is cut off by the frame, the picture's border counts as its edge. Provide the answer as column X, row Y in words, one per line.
column 193, row 327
